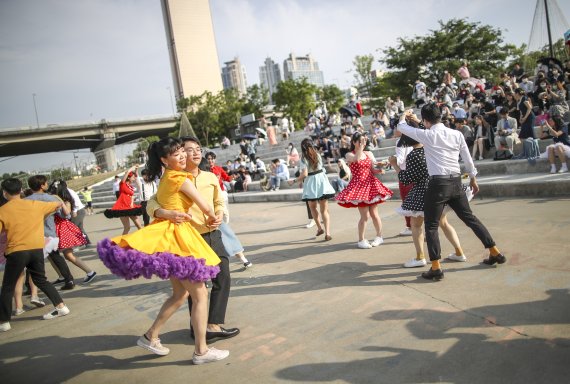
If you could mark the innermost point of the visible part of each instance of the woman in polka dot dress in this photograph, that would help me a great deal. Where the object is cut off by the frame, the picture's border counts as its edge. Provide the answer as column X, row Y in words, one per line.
column 416, row 173
column 70, row 236
column 364, row 191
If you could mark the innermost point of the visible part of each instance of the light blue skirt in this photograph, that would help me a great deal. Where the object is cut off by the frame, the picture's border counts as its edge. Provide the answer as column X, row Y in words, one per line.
column 230, row 240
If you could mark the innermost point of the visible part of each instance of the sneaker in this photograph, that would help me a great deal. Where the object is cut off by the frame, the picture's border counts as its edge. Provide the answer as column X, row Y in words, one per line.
column 68, row 286
column 364, row 244
column 481, row 158
column 18, row 312
column 413, row 263
column 37, row 302
column 406, row 232
column 212, row 355
column 553, row 168
column 57, row 312
column 248, row 264
column 5, row 327
column 563, row 169
column 454, row 257
column 59, row 281
column 153, row 345
column 310, row 224
column 377, row 241
column 90, row 276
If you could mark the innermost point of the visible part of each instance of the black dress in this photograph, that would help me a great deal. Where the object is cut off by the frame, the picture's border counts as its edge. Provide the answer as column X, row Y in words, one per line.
column 416, row 172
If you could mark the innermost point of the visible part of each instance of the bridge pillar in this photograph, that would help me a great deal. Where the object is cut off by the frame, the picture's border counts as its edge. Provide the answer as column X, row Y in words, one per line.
column 105, row 150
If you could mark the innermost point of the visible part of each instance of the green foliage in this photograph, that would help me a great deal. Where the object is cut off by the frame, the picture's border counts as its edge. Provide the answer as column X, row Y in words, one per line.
column 295, row 98
column 256, row 98
column 427, row 57
column 63, row 173
column 333, row 96
column 528, row 59
column 363, row 76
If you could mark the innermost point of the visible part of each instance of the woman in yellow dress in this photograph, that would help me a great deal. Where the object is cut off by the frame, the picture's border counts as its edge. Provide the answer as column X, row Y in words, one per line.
column 170, row 251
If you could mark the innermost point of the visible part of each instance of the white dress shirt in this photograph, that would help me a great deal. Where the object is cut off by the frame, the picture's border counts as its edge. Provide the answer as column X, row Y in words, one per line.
column 401, row 154
column 442, row 147
column 76, row 200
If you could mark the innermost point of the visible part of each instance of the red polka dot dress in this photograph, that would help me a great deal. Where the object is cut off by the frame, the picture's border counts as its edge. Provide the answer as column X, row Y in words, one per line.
column 364, row 189
column 69, row 234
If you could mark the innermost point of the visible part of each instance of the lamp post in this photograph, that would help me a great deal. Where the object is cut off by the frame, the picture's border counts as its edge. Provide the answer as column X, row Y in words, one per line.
column 36, row 109
column 75, row 161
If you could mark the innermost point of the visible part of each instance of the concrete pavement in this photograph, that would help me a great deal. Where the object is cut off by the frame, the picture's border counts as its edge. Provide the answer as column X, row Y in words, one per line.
column 313, row 311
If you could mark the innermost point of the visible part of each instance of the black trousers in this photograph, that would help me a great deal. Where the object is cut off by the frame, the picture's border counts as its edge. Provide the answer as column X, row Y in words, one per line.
column 146, row 217
column 449, row 191
column 221, row 283
column 33, row 260
column 61, row 264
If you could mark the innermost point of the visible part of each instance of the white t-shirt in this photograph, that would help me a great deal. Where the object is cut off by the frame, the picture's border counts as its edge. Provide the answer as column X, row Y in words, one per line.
column 76, row 200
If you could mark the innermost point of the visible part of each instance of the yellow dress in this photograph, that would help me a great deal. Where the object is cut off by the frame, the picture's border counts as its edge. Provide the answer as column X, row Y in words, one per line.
column 163, row 248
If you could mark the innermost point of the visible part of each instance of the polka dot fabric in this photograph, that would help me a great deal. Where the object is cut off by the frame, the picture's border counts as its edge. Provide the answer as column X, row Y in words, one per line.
column 416, row 172
column 364, row 189
column 69, row 234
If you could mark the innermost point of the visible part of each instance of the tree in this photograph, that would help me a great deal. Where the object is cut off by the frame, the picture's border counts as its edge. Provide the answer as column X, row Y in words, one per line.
column 363, row 75
column 295, row 98
column 332, row 96
column 528, row 59
column 456, row 41
column 256, row 98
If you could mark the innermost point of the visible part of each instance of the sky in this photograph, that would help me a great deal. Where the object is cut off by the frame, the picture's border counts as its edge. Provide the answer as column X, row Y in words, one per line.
column 87, row 60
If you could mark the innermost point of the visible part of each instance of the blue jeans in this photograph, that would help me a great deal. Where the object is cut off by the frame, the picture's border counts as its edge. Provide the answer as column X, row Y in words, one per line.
column 275, row 181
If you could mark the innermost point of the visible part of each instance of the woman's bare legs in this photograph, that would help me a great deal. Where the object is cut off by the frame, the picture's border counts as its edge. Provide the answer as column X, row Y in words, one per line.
column 449, row 231
column 418, row 235
column 126, row 224
column 324, row 208
column 68, row 254
column 136, row 221
column 362, row 222
column 316, row 215
column 376, row 221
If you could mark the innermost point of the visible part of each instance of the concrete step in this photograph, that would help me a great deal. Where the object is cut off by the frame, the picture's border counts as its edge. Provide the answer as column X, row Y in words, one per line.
column 512, row 185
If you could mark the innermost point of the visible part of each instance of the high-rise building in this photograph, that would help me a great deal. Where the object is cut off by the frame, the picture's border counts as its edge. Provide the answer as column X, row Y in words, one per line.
column 303, row 66
column 233, row 76
column 270, row 76
column 192, row 47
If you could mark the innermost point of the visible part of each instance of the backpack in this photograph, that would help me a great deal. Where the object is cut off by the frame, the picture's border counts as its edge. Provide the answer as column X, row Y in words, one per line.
column 503, row 154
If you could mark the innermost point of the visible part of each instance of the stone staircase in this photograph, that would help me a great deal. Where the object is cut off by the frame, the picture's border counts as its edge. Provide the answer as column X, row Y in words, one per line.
column 510, row 178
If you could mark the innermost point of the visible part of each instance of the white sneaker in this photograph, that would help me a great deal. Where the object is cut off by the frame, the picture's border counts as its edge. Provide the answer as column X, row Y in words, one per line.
column 153, row 345
column 57, row 312
column 406, row 232
column 364, row 244
column 37, row 302
column 5, row 327
column 481, row 158
column 454, row 257
column 212, row 355
column 553, row 168
column 377, row 241
column 311, row 224
column 18, row 312
column 413, row 263
column 563, row 169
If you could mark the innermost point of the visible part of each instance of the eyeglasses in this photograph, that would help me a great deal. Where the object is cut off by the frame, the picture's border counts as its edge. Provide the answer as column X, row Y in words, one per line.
column 193, row 150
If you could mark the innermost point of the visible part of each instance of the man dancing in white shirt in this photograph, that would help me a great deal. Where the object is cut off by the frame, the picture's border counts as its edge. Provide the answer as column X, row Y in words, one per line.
column 442, row 147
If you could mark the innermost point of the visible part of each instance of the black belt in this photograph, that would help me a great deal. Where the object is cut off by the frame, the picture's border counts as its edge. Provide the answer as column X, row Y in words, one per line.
column 314, row 173
column 452, row 176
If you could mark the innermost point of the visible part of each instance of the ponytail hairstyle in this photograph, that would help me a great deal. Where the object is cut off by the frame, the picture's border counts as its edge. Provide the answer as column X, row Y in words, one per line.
column 309, row 152
column 156, row 151
column 59, row 188
column 356, row 136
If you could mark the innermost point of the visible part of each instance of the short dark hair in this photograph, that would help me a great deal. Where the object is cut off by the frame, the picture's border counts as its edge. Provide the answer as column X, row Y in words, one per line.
column 503, row 111
column 144, row 172
column 275, row 161
column 431, row 113
column 193, row 139
column 12, row 186
column 35, row 182
column 210, row 154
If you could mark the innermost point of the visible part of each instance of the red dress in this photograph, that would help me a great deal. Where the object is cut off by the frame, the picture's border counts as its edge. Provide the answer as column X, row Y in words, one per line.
column 364, row 189
column 69, row 234
column 124, row 205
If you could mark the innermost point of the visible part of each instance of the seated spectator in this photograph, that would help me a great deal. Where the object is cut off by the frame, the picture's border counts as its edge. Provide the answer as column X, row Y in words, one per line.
column 555, row 127
column 378, row 134
column 458, row 111
column 247, row 180
column 260, row 168
column 466, row 130
column 292, row 155
column 481, row 136
column 506, row 133
column 344, row 175
column 279, row 171
column 225, row 142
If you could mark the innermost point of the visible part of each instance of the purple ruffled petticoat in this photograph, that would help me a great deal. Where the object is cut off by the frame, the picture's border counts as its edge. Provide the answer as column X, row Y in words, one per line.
column 131, row 264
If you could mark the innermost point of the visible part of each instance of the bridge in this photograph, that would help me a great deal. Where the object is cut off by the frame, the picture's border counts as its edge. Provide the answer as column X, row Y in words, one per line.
column 100, row 137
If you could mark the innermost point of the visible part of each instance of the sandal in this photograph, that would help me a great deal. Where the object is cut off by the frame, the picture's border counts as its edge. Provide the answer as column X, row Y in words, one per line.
column 328, row 237
column 320, row 232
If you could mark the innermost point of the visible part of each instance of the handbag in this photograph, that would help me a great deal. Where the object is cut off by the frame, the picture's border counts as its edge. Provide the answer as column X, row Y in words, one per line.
column 503, row 154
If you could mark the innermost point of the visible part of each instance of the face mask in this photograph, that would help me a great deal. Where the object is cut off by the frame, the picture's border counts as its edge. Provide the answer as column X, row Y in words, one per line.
column 543, row 85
